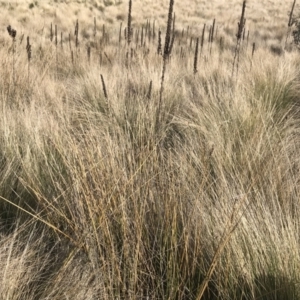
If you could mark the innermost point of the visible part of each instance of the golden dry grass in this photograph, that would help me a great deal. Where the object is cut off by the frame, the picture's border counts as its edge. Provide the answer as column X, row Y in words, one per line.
column 122, row 195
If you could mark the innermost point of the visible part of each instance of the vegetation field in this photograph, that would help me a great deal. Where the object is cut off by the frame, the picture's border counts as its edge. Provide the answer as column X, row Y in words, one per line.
column 149, row 150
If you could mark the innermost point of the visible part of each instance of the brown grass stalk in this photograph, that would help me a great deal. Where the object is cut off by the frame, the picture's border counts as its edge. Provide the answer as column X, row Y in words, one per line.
column 212, row 35
column 12, row 33
column 89, row 54
column 241, row 26
column 95, row 28
column 166, row 55
column 253, row 49
column 247, row 39
column 129, row 29
column 76, row 33
column 153, row 30
column 56, row 53
column 149, row 90
column 290, row 23
column 159, row 47
column 202, row 39
column 70, row 45
column 28, row 50
column 196, row 56
column 51, row 33
column 142, row 36
column 120, row 34
column 108, row 59
column 103, row 33
column 103, row 87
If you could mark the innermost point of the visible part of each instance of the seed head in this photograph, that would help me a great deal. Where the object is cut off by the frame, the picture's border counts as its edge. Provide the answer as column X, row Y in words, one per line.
column 12, row 32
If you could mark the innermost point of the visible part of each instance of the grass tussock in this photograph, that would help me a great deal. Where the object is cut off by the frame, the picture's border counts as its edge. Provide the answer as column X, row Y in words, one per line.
column 132, row 172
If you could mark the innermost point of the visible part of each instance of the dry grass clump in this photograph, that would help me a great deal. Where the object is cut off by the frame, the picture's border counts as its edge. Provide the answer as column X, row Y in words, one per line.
column 133, row 171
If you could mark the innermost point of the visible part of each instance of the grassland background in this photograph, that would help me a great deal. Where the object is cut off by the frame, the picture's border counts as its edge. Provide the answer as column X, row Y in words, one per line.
column 126, row 197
